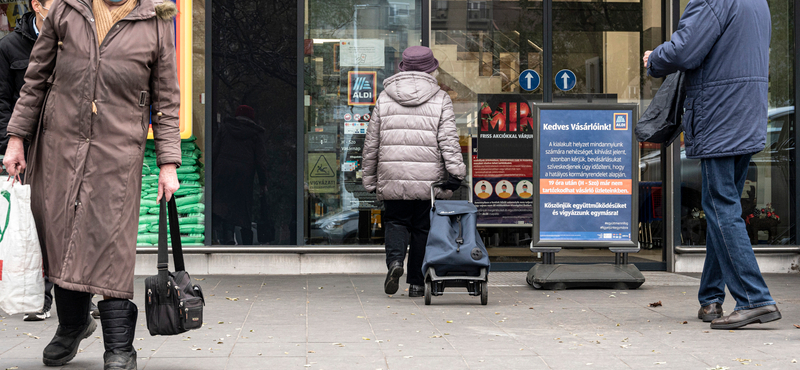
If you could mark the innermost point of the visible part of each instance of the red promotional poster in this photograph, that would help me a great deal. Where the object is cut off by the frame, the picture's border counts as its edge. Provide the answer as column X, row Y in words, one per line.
column 502, row 190
column 506, row 130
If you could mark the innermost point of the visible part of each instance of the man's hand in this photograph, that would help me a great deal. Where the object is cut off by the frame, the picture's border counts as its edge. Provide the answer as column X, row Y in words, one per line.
column 167, row 181
column 14, row 160
column 646, row 58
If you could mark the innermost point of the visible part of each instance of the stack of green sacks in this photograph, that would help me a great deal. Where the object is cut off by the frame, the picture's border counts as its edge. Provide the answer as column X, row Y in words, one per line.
column 189, row 198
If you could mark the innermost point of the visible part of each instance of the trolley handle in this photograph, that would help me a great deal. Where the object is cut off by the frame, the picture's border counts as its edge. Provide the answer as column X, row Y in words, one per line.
column 439, row 184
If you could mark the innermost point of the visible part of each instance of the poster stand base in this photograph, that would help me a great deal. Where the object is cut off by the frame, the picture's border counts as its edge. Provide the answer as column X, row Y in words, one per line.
column 551, row 276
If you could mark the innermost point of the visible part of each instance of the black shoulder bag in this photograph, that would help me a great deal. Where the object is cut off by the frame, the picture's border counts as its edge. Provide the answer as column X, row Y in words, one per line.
column 173, row 304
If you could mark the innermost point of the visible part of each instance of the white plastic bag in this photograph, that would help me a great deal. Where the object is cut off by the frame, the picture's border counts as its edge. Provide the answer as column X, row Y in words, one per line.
column 21, row 274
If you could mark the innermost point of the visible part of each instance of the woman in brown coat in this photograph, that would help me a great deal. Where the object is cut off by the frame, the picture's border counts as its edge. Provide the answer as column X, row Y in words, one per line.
column 95, row 71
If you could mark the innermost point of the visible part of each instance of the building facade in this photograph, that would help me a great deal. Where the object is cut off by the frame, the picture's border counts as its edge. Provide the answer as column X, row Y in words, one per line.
column 278, row 94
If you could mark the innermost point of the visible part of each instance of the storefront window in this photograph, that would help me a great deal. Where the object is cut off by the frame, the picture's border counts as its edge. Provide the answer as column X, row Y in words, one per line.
column 10, row 12
column 484, row 49
column 351, row 47
column 253, row 123
column 190, row 49
column 768, row 196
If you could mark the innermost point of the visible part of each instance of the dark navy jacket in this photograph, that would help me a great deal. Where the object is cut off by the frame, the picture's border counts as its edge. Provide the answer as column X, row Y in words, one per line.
column 723, row 45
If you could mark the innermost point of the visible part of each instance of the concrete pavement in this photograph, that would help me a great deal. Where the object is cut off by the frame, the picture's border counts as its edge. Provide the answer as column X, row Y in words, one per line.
column 346, row 322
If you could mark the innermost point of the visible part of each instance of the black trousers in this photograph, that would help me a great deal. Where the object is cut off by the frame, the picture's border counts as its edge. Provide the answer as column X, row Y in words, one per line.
column 72, row 307
column 407, row 221
column 48, row 294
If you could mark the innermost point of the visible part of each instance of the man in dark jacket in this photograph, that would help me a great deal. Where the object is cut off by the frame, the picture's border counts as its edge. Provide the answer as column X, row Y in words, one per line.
column 15, row 49
column 724, row 48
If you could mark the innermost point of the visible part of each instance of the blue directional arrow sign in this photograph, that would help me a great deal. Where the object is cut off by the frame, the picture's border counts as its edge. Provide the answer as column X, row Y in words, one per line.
column 565, row 80
column 529, row 80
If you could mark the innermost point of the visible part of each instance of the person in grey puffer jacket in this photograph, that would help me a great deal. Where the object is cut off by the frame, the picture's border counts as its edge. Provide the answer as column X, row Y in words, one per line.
column 411, row 143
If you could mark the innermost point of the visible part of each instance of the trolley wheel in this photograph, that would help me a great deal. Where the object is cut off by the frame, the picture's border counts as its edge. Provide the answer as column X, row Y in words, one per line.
column 484, row 293
column 428, row 292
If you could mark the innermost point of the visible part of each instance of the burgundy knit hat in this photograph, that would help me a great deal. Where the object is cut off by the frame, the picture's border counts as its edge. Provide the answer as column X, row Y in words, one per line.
column 419, row 59
column 246, row 111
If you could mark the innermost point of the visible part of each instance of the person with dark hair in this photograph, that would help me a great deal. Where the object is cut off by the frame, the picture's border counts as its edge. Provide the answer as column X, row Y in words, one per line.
column 15, row 50
column 411, row 143
column 97, row 71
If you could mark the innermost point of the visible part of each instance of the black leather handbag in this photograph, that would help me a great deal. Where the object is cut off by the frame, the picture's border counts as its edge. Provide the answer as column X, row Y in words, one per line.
column 173, row 304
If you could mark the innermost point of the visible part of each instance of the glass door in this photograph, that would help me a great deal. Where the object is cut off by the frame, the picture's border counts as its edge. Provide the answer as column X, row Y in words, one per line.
column 491, row 63
column 350, row 48
column 597, row 57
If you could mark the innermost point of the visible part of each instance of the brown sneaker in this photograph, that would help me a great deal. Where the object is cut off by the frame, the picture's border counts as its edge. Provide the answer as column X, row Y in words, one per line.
column 741, row 318
column 710, row 312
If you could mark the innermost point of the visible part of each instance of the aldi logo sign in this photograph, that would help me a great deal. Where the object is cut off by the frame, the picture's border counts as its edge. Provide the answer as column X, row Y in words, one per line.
column 620, row 121
column 361, row 88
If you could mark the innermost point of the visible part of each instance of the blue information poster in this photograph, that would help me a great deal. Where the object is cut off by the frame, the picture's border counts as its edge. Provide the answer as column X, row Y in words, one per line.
column 585, row 170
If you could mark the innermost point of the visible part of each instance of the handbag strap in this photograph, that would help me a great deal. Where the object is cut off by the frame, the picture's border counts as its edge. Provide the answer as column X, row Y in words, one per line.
column 175, row 234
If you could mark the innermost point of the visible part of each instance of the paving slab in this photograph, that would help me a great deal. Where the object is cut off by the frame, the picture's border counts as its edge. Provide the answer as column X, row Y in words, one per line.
column 347, row 322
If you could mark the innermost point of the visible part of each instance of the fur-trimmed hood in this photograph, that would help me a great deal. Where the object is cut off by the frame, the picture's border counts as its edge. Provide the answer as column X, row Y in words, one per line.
column 166, row 10
column 163, row 9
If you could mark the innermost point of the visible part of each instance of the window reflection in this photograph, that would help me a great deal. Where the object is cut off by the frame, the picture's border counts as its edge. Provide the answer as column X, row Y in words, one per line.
column 254, row 122
column 351, row 47
column 768, row 196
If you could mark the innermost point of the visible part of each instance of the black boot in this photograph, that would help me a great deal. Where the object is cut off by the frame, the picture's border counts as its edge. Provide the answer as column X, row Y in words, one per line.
column 118, row 317
column 74, row 325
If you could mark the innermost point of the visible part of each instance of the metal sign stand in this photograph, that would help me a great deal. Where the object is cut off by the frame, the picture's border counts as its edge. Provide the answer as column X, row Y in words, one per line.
column 552, row 276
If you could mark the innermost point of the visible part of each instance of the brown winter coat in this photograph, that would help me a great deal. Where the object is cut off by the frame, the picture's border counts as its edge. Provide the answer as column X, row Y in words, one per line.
column 85, row 169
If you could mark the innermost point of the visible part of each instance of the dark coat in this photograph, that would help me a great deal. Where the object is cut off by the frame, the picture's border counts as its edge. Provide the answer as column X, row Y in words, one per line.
column 239, row 154
column 723, row 45
column 85, row 169
column 15, row 49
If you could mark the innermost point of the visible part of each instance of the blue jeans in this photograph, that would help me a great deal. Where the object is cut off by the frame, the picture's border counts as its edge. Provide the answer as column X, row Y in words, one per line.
column 729, row 256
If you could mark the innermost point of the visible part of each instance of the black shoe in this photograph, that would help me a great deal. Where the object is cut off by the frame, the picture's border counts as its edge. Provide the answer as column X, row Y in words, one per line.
column 74, row 325
column 64, row 345
column 710, row 312
column 392, row 282
column 118, row 317
column 416, row 291
column 741, row 318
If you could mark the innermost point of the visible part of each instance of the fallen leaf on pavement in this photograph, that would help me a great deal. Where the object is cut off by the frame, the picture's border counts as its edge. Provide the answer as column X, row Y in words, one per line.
column 656, row 304
column 232, row 299
column 685, row 322
column 797, row 326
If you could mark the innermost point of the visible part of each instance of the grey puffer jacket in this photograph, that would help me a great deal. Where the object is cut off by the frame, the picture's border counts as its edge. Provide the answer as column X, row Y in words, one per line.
column 411, row 140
